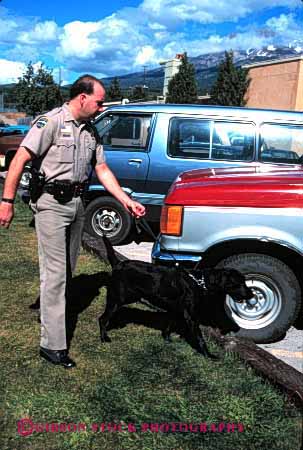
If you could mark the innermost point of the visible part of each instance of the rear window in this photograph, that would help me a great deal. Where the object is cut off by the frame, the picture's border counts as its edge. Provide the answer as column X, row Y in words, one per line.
column 207, row 139
column 281, row 143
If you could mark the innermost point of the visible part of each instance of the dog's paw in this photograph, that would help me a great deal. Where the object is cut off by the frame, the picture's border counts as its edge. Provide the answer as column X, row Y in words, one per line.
column 167, row 338
column 212, row 357
column 105, row 338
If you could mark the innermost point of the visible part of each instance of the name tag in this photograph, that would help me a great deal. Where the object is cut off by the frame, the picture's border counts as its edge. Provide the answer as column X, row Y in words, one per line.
column 66, row 131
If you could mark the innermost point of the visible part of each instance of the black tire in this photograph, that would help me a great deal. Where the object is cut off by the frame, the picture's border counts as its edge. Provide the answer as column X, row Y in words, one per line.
column 105, row 215
column 278, row 297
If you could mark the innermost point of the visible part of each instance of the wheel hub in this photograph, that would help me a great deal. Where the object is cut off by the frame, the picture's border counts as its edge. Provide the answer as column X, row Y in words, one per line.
column 261, row 310
column 106, row 221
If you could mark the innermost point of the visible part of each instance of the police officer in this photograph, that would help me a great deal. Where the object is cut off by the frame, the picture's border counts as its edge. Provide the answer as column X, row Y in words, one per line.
column 62, row 144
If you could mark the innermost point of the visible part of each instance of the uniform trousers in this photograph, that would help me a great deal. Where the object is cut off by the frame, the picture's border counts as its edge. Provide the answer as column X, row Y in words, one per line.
column 59, row 230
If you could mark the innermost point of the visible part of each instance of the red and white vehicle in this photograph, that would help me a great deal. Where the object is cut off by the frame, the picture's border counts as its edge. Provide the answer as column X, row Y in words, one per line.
column 250, row 219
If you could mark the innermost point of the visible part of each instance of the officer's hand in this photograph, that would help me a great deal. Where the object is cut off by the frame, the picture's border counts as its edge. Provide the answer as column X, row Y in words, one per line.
column 136, row 209
column 6, row 214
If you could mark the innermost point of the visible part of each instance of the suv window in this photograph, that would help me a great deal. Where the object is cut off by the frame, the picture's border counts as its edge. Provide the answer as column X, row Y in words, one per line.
column 126, row 131
column 189, row 138
column 281, row 143
column 233, row 141
column 204, row 139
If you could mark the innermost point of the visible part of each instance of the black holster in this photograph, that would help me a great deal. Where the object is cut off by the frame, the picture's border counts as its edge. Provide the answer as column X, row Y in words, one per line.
column 36, row 183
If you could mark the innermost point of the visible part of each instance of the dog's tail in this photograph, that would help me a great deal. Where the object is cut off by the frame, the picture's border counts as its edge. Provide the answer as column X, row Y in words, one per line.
column 111, row 255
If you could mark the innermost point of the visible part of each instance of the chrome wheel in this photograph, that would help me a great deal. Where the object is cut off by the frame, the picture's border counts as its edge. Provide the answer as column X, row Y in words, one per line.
column 107, row 221
column 261, row 310
column 277, row 297
column 105, row 215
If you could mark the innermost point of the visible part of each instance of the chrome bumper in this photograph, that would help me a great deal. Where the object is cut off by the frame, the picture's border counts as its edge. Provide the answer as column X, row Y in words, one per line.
column 165, row 257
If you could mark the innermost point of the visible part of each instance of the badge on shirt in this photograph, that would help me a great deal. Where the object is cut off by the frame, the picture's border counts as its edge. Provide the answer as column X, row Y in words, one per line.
column 66, row 131
column 42, row 122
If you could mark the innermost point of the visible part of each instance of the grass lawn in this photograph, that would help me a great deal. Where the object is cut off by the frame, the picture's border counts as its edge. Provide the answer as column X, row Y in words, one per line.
column 136, row 379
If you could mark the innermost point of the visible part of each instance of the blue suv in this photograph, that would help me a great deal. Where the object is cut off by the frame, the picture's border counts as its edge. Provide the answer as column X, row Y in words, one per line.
column 148, row 145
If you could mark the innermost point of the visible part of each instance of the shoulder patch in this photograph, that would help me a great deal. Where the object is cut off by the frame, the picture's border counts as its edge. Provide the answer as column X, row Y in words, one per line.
column 42, row 122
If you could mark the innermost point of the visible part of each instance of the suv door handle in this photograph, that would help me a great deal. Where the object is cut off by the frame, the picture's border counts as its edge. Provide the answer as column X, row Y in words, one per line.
column 135, row 162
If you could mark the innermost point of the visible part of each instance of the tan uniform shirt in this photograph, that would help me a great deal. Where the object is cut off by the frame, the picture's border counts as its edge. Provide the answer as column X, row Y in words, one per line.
column 66, row 145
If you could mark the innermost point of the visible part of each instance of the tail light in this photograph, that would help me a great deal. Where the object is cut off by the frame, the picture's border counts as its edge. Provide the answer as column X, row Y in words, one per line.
column 171, row 220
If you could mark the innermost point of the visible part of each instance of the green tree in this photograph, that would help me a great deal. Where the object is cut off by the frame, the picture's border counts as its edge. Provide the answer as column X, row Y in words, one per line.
column 114, row 91
column 182, row 88
column 36, row 91
column 138, row 93
column 231, row 85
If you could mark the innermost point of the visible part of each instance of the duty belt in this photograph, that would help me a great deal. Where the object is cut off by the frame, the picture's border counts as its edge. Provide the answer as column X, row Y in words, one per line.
column 74, row 189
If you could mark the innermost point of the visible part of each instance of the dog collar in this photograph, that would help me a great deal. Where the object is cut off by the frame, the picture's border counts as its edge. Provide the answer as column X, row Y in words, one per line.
column 200, row 281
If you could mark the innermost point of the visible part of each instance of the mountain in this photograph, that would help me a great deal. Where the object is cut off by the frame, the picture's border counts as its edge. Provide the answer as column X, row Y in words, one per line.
column 153, row 79
column 207, row 66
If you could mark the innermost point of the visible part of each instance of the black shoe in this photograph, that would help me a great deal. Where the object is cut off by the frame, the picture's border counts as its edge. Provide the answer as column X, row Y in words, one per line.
column 57, row 357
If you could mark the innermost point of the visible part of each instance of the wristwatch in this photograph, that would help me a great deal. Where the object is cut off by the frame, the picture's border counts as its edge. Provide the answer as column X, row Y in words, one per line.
column 8, row 200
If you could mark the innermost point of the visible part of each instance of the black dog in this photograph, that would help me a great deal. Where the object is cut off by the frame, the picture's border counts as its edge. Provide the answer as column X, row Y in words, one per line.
column 172, row 289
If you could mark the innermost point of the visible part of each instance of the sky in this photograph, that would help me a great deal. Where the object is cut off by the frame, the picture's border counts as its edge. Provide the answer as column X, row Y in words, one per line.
column 116, row 37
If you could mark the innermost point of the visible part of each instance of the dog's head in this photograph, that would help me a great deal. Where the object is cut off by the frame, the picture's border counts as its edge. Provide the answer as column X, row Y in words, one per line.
column 229, row 281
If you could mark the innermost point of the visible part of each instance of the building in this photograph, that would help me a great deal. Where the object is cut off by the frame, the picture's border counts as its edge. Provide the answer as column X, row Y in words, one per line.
column 276, row 84
column 171, row 67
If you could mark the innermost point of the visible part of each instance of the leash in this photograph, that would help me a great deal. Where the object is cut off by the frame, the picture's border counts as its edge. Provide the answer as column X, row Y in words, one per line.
column 200, row 281
column 146, row 227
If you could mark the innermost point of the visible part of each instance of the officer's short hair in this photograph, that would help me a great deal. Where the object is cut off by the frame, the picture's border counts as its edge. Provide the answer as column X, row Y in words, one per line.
column 84, row 85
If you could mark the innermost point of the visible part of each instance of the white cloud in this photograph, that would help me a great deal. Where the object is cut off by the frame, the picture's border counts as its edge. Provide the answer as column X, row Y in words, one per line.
column 155, row 30
column 146, row 55
column 78, row 39
column 23, row 53
column 110, row 45
column 43, row 31
column 6, row 26
column 208, row 11
column 162, row 36
column 156, row 26
column 10, row 71
column 282, row 23
column 114, row 27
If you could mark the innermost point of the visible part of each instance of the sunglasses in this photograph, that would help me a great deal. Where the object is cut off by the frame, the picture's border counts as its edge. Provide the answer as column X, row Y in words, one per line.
column 99, row 103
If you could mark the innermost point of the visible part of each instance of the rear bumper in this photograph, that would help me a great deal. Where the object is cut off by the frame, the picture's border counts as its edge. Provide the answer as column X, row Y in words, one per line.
column 164, row 257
